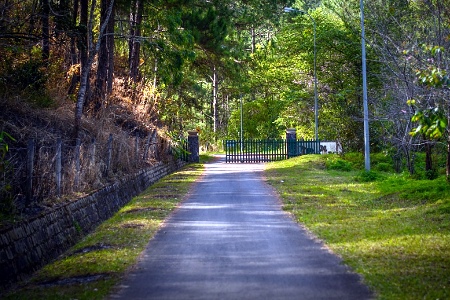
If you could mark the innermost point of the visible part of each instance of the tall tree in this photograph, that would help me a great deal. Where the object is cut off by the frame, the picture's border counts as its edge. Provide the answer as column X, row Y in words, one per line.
column 136, row 10
column 74, row 57
column 45, row 15
column 105, row 65
column 85, row 71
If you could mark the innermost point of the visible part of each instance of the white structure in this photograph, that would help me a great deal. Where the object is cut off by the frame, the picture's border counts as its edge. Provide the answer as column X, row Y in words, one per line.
column 330, row 147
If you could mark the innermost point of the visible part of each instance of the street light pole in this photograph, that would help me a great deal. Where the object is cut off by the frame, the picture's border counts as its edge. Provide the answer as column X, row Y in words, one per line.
column 365, row 105
column 316, row 104
column 242, row 127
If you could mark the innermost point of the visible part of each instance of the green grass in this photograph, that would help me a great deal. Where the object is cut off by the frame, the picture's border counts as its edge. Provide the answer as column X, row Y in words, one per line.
column 92, row 268
column 393, row 230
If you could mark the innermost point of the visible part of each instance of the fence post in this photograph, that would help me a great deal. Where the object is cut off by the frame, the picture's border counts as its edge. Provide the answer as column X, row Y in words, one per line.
column 58, row 167
column 136, row 150
column 148, row 143
column 109, row 154
column 92, row 153
column 29, row 177
column 193, row 145
column 146, row 147
column 291, row 142
column 77, row 164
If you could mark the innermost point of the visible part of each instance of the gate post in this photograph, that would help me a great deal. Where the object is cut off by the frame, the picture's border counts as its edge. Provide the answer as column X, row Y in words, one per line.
column 193, row 146
column 291, row 142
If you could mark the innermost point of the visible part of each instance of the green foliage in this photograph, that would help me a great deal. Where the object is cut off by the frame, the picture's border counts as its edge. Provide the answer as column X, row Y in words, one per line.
column 382, row 161
column 41, row 99
column 416, row 190
column 259, row 119
column 433, row 76
column 334, row 162
column 368, row 176
column 355, row 158
column 178, row 145
column 433, row 122
column 285, row 68
column 208, row 27
column 29, row 75
column 29, row 79
column 431, row 174
column 384, row 167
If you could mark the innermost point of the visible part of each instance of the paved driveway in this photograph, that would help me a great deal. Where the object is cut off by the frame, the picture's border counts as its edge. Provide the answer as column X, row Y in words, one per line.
column 231, row 240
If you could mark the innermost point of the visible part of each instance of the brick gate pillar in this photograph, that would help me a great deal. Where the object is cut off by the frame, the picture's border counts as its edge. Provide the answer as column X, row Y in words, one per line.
column 291, row 141
column 194, row 146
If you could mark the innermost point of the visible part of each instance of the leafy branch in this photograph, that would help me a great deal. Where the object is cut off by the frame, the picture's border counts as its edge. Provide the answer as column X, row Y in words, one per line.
column 432, row 121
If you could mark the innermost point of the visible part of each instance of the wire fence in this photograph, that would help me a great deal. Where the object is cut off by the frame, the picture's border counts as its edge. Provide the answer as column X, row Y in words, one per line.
column 41, row 172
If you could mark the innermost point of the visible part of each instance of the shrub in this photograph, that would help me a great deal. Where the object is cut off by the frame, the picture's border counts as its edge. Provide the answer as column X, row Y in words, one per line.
column 336, row 163
column 431, row 174
column 356, row 159
column 29, row 75
column 384, row 167
column 368, row 176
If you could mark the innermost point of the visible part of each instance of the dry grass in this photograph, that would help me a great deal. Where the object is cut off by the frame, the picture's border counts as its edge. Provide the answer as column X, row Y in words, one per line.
column 128, row 115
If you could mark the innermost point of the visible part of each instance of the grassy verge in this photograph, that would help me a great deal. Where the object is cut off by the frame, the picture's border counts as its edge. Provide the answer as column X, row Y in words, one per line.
column 393, row 230
column 95, row 265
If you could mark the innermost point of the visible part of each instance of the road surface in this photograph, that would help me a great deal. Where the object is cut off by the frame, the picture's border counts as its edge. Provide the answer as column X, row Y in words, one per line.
column 231, row 240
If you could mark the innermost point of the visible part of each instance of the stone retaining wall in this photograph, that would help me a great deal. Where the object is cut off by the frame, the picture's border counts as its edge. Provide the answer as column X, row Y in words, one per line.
column 27, row 246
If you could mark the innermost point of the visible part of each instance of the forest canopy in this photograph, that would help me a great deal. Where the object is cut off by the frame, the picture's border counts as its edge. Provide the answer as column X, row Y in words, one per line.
column 185, row 64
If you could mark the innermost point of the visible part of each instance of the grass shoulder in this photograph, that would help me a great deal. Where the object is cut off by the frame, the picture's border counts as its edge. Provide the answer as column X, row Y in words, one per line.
column 92, row 268
column 392, row 229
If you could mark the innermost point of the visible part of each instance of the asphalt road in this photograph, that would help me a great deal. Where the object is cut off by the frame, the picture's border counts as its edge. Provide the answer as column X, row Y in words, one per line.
column 231, row 240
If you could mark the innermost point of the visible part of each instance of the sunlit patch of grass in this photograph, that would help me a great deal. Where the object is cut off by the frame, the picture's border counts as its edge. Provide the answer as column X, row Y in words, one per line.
column 395, row 231
column 113, row 247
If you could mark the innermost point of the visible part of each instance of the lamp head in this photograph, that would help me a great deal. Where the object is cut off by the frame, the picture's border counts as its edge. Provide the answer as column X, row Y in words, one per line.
column 293, row 10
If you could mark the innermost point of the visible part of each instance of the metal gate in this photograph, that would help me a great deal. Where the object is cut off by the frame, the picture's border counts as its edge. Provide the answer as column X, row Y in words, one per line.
column 256, row 151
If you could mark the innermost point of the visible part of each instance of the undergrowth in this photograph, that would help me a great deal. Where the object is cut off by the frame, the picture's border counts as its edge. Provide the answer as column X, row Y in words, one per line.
column 391, row 228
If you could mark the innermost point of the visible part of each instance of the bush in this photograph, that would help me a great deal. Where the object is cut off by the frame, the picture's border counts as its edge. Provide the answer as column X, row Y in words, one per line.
column 28, row 76
column 368, row 176
column 356, row 159
column 41, row 99
column 432, row 174
column 384, row 167
column 336, row 163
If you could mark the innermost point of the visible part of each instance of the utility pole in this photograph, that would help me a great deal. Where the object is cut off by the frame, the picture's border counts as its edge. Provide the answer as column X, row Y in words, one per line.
column 366, row 108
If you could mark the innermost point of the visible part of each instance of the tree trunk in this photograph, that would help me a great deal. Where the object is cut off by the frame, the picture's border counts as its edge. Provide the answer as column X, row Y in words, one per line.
column 135, row 32
column 448, row 148
column 73, row 51
column 81, row 98
column 83, row 43
column 428, row 158
column 215, row 89
column 253, row 35
column 110, row 48
column 45, row 12
column 103, row 58
column 84, row 83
